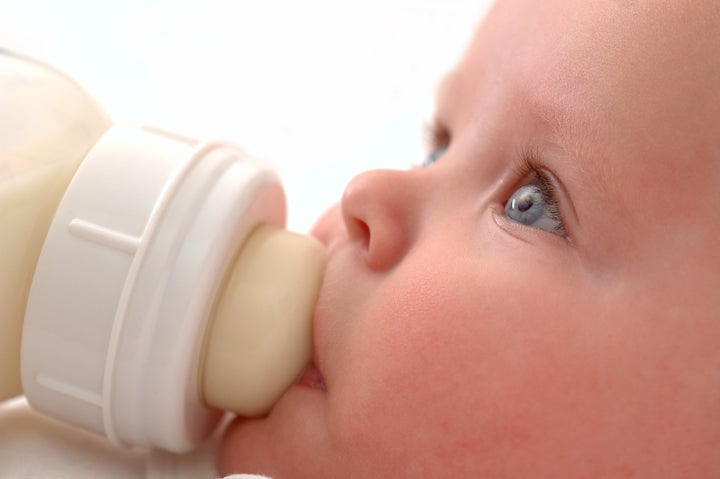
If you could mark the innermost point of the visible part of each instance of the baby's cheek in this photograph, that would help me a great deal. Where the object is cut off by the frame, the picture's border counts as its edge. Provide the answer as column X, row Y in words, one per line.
column 457, row 380
column 414, row 390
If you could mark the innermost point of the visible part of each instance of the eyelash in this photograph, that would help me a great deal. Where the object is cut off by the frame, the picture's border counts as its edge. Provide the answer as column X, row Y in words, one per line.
column 530, row 166
column 436, row 138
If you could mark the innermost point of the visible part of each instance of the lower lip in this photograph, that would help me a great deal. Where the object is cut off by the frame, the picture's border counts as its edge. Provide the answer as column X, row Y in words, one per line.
column 312, row 378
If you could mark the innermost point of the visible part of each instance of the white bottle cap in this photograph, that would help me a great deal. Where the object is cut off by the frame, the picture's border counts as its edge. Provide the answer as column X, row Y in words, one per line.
column 126, row 280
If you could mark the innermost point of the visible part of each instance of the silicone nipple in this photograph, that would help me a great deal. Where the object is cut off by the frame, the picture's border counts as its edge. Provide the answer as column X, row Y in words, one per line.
column 260, row 339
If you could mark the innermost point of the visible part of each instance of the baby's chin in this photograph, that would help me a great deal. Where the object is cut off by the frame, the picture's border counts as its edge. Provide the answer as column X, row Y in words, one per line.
column 288, row 443
column 235, row 446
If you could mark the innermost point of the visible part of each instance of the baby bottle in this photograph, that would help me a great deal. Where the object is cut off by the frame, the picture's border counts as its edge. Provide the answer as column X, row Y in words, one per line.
column 146, row 280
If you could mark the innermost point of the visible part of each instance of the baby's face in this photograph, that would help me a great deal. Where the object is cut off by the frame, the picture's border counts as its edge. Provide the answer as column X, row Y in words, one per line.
column 542, row 301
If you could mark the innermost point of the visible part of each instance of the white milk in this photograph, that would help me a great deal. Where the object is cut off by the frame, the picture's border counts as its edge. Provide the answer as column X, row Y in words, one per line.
column 47, row 125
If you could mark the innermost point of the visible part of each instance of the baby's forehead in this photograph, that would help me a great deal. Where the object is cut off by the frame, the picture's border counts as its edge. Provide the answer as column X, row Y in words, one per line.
column 639, row 51
column 641, row 81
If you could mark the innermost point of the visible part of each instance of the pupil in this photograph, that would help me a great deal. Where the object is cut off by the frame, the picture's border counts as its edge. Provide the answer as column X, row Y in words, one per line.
column 525, row 202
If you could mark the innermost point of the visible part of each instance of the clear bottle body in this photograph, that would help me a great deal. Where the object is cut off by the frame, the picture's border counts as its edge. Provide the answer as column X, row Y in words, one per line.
column 47, row 125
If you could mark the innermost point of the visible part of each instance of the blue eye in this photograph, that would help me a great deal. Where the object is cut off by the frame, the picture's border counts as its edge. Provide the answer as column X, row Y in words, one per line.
column 434, row 156
column 534, row 205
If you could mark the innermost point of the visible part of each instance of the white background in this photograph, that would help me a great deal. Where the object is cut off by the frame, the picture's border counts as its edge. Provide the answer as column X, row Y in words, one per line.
column 321, row 89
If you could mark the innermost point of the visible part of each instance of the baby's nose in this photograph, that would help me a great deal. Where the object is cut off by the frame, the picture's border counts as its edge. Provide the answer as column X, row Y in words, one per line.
column 379, row 210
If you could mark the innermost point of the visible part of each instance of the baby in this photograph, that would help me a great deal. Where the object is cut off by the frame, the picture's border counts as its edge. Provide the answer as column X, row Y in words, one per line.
column 540, row 300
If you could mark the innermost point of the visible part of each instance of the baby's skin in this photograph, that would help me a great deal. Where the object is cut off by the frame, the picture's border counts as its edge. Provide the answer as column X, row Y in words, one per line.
column 541, row 299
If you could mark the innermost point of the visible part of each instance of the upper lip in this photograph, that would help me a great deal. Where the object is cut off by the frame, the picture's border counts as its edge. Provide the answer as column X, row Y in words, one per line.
column 315, row 353
column 334, row 246
column 316, row 319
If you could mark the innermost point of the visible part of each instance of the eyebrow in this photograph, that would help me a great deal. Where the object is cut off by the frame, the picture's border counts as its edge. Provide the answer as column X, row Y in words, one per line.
column 573, row 136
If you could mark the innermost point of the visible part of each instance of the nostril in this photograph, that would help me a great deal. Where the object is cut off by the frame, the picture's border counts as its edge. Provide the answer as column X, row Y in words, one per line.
column 377, row 210
column 381, row 238
column 360, row 231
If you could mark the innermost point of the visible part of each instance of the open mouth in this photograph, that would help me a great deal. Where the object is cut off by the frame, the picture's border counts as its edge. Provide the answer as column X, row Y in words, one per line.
column 312, row 378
